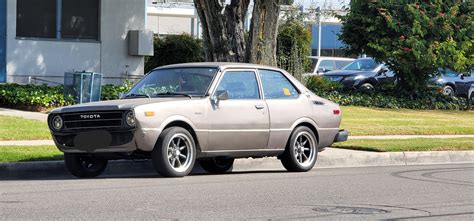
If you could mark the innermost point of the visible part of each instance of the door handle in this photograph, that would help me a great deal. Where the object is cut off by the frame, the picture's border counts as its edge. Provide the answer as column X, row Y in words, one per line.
column 259, row 106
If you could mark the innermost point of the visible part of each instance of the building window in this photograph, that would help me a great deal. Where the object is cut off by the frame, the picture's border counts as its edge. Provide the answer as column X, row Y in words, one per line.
column 60, row 19
column 80, row 19
column 36, row 18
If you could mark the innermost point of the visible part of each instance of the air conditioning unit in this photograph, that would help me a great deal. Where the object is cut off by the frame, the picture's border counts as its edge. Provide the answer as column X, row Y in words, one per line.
column 140, row 43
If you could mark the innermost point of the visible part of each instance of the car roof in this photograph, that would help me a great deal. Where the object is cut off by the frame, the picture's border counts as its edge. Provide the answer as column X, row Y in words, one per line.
column 220, row 65
column 331, row 58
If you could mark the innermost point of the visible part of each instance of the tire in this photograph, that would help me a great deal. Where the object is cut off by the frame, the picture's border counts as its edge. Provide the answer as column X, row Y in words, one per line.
column 169, row 157
column 448, row 91
column 217, row 164
column 366, row 87
column 84, row 165
column 297, row 157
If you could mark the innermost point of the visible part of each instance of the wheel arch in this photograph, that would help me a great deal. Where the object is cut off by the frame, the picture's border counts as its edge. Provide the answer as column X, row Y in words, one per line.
column 186, row 124
column 307, row 123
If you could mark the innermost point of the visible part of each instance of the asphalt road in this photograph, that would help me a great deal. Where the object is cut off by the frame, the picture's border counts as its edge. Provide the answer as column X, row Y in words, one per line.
column 434, row 192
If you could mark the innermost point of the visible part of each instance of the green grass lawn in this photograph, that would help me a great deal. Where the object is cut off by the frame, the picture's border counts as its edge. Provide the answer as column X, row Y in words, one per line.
column 418, row 144
column 374, row 121
column 15, row 128
column 358, row 120
column 30, row 153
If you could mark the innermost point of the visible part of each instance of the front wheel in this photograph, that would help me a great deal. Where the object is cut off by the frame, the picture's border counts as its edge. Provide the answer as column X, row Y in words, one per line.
column 174, row 153
column 217, row 164
column 84, row 165
column 301, row 151
column 448, row 91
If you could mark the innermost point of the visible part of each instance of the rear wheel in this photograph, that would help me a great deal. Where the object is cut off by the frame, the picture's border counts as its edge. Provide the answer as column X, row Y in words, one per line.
column 84, row 165
column 367, row 87
column 301, row 151
column 175, row 152
column 217, row 164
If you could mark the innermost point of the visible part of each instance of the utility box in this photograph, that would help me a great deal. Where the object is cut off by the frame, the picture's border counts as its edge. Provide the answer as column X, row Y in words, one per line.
column 83, row 87
column 140, row 43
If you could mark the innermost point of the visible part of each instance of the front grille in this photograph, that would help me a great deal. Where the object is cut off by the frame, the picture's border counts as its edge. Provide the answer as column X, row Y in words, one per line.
column 85, row 120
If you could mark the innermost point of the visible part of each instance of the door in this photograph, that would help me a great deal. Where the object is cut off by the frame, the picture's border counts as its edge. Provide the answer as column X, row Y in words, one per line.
column 385, row 75
column 241, row 122
column 285, row 105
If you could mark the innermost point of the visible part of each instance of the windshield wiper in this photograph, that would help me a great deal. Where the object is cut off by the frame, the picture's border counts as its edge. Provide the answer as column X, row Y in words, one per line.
column 174, row 94
column 137, row 95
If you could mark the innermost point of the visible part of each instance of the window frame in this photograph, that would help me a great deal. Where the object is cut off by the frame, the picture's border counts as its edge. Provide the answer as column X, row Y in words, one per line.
column 257, row 78
column 284, row 75
column 58, row 26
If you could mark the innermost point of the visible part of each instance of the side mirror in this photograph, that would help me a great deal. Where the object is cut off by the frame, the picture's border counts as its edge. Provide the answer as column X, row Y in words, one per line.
column 220, row 96
column 322, row 70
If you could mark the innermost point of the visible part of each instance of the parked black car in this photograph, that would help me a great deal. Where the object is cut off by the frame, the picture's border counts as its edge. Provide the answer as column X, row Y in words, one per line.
column 362, row 73
column 453, row 83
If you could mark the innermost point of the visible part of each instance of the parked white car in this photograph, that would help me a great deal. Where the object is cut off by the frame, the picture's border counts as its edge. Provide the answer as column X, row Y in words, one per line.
column 322, row 65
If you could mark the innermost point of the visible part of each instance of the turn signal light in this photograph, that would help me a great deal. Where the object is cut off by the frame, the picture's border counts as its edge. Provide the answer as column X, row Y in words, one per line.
column 336, row 112
column 149, row 113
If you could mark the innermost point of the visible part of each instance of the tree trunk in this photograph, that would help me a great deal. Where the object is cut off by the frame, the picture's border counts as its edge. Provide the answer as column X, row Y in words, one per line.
column 223, row 29
column 261, row 48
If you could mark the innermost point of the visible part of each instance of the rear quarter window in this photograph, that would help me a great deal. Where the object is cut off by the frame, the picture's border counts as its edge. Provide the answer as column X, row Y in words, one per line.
column 276, row 85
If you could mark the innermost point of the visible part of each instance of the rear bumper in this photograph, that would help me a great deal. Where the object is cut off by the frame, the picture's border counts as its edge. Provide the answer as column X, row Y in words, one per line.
column 341, row 136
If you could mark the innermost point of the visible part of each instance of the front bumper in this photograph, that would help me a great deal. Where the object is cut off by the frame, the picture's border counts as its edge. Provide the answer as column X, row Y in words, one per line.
column 341, row 136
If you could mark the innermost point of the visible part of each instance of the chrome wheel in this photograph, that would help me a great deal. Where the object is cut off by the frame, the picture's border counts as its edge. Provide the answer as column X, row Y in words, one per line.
column 304, row 148
column 180, row 152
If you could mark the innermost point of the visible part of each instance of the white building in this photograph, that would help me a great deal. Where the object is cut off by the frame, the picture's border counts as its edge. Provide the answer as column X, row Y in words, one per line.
column 41, row 40
column 168, row 17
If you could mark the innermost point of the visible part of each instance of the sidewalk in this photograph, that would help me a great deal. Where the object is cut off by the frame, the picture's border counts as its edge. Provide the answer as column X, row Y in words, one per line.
column 24, row 114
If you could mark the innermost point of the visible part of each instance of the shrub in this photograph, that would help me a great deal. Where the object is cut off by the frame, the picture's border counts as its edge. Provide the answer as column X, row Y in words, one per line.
column 32, row 97
column 384, row 97
column 111, row 92
column 173, row 49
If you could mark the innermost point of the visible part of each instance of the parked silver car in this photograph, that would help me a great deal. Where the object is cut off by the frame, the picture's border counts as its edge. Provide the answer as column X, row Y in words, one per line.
column 209, row 112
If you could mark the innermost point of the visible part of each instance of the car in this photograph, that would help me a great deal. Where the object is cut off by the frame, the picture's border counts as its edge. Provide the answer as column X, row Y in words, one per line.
column 363, row 73
column 206, row 112
column 453, row 83
column 321, row 65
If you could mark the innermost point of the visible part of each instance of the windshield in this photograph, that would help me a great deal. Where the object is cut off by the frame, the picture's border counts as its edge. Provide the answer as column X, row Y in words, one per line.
column 362, row 65
column 174, row 81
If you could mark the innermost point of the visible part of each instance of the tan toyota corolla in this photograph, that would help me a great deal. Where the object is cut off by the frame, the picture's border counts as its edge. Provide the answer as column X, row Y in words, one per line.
column 206, row 112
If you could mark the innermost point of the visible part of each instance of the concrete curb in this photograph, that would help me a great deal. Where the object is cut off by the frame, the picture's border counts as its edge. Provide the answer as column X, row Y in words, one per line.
column 331, row 158
column 381, row 137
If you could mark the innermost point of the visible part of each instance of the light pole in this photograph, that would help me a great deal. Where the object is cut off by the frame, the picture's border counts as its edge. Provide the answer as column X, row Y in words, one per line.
column 318, row 10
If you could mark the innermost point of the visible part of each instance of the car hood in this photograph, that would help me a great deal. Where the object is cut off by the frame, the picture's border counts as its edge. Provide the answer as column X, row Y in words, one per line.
column 347, row 73
column 122, row 104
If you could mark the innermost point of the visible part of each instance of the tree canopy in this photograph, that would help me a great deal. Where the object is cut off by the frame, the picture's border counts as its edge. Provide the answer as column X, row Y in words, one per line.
column 413, row 37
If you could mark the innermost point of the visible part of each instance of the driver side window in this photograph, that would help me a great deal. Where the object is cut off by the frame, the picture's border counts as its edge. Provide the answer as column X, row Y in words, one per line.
column 240, row 85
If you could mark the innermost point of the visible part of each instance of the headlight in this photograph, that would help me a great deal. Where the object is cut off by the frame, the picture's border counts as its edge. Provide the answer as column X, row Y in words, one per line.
column 130, row 119
column 57, row 122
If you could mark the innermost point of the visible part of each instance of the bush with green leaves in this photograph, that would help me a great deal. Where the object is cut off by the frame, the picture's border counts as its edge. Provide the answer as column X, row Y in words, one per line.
column 384, row 97
column 112, row 92
column 174, row 49
column 32, row 97
column 293, row 45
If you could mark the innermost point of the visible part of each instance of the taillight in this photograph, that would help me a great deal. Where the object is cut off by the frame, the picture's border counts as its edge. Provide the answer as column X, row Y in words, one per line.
column 336, row 112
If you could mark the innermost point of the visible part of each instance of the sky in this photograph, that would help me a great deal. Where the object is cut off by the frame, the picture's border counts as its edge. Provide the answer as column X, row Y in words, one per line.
column 336, row 4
